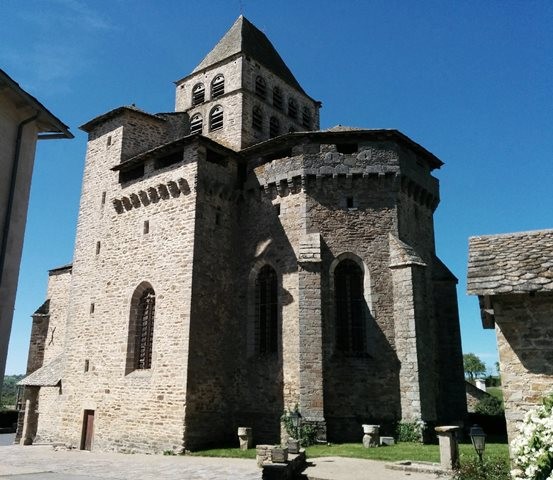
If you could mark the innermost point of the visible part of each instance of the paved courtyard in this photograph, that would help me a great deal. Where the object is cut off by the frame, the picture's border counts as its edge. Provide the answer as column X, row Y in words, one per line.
column 42, row 462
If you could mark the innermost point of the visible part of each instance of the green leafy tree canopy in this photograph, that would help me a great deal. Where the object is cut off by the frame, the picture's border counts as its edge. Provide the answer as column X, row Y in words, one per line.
column 473, row 366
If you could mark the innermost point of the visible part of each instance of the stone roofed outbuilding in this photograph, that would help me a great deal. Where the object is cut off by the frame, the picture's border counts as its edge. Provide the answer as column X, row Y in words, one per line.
column 512, row 274
column 511, row 263
column 23, row 121
column 233, row 261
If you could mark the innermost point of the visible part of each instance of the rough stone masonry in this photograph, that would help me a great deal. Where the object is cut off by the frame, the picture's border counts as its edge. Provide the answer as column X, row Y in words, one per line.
column 233, row 261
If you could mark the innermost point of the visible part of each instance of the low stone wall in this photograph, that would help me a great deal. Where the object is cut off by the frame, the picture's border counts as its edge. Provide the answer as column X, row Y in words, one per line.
column 279, row 470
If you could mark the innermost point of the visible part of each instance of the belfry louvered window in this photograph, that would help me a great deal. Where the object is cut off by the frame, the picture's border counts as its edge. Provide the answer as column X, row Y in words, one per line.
column 198, row 94
column 257, row 119
column 292, row 108
column 274, row 127
column 260, row 87
column 216, row 118
column 306, row 117
column 349, row 304
column 217, row 87
column 145, row 329
column 277, row 98
column 196, row 123
column 266, row 302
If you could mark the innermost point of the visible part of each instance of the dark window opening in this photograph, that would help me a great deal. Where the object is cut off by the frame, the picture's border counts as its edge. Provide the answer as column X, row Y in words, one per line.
column 349, row 202
column 277, row 98
column 146, row 228
column 133, row 173
column 292, row 108
column 257, row 119
column 103, row 198
column 266, row 301
column 347, row 148
column 98, row 248
column 196, row 124
column 216, row 118
column 109, row 141
column 214, row 157
column 349, row 303
column 218, row 86
column 86, row 365
column 167, row 160
column 198, row 94
column 92, row 308
column 260, row 87
column 277, row 209
column 144, row 332
column 274, row 127
column 306, row 117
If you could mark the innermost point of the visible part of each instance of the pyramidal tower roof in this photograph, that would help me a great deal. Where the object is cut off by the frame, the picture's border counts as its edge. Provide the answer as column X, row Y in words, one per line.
column 244, row 37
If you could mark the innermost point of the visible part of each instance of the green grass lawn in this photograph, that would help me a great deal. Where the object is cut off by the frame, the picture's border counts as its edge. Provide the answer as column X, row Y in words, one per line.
column 401, row 451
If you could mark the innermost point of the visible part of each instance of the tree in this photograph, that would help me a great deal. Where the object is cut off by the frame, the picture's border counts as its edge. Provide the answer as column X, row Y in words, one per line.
column 473, row 366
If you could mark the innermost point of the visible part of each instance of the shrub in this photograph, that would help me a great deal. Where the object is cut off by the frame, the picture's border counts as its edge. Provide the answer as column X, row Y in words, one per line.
column 489, row 406
column 307, row 432
column 533, row 448
column 489, row 469
column 410, row 431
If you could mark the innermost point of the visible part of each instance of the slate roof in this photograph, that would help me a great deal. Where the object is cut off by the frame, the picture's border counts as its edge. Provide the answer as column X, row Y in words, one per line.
column 244, row 37
column 46, row 376
column 402, row 254
column 511, row 263
column 91, row 124
column 46, row 121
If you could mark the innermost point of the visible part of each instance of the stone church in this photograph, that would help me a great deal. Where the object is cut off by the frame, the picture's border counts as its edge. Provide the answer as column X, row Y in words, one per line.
column 232, row 261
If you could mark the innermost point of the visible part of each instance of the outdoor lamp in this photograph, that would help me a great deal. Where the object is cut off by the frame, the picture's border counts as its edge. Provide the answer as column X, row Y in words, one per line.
column 295, row 416
column 478, row 438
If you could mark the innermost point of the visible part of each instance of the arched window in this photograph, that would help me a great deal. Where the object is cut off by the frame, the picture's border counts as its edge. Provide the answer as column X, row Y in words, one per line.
column 198, row 94
column 277, row 98
column 274, row 127
column 266, row 311
column 217, row 87
column 257, row 119
column 292, row 108
column 196, row 123
column 349, row 304
column 260, row 87
column 141, row 328
column 306, row 117
column 216, row 118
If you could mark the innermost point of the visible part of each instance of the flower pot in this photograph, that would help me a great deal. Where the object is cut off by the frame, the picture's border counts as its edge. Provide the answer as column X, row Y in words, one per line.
column 293, row 446
column 279, row 455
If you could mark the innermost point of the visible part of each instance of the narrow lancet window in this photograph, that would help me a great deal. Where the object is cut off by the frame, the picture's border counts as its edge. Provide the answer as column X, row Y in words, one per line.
column 349, row 304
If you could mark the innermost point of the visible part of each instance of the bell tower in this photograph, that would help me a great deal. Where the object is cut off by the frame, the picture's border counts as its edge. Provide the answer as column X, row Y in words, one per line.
column 242, row 92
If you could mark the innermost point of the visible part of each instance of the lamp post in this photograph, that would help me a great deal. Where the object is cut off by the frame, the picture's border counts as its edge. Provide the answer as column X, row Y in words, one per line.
column 478, row 438
column 295, row 416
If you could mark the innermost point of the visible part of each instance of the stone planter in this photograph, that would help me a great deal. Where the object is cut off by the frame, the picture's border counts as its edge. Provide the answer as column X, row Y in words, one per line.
column 371, row 429
column 293, row 446
column 371, row 437
column 245, row 437
column 279, row 455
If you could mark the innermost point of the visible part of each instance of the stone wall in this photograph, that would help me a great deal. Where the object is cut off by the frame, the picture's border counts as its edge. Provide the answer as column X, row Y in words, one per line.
column 140, row 410
column 213, row 352
column 524, row 330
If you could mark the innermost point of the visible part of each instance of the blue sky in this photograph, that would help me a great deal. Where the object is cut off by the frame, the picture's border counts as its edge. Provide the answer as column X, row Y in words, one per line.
column 469, row 80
